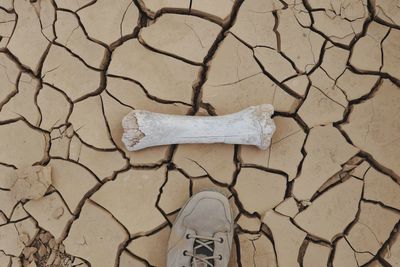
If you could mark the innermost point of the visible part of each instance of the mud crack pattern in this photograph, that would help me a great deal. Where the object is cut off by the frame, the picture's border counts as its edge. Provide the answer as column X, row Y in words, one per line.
column 326, row 193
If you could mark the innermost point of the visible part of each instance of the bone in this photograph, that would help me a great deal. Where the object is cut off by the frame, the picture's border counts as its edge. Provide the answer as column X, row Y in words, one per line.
column 251, row 126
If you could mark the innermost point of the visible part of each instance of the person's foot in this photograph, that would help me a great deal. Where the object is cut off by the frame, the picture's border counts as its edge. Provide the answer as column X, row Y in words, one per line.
column 202, row 233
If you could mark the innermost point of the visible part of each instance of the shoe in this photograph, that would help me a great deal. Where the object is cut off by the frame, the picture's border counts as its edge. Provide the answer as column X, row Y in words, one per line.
column 202, row 233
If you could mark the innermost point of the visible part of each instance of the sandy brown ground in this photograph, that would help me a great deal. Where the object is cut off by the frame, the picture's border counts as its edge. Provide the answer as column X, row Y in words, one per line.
column 327, row 191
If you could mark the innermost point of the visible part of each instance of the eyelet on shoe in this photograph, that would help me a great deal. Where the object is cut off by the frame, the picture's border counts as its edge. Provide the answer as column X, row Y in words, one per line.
column 221, row 240
column 188, row 236
column 184, row 253
column 220, row 257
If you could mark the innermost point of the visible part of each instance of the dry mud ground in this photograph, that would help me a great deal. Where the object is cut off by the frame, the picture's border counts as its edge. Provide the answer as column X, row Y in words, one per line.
column 325, row 194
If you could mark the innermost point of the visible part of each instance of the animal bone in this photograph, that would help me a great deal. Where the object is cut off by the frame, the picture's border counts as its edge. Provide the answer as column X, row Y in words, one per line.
column 251, row 126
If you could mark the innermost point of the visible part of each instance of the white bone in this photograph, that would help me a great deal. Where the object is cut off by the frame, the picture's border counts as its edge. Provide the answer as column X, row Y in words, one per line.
column 251, row 126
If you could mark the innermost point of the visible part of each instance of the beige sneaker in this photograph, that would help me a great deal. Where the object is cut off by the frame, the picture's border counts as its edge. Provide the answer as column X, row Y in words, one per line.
column 202, row 233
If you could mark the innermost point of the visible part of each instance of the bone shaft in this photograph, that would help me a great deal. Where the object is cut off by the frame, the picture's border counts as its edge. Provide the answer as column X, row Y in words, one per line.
column 167, row 129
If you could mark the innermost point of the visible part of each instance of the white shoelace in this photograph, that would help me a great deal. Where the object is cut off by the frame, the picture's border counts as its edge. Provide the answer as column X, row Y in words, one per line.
column 203, row 241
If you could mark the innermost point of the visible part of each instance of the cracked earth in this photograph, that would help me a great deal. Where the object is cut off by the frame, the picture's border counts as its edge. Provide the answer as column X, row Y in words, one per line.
column 326, row 193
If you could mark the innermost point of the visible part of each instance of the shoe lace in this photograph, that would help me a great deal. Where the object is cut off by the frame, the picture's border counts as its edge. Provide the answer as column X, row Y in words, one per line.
column 203, row 242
